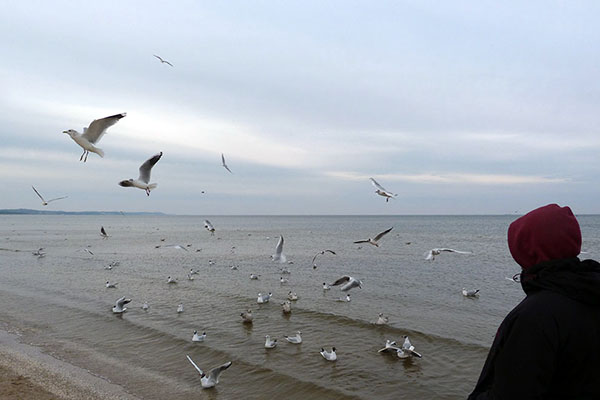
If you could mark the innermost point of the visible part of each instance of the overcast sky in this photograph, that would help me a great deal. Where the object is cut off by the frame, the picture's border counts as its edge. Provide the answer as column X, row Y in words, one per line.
column 459, row 107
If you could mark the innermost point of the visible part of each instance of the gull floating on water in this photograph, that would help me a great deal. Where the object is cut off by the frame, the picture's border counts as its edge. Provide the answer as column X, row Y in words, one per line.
column 39, row 253
column 263, row 298
column 92, row 134
column 329, row 355
column 348, row 283
column 118, row 308
column 190, row 277
column 382, row 191
column 192, row 272
column 286, row 307
column 212, row 378
column 283, row 280
column 381, row 320
column 198, row 338
column 175, row 246
column 431, row 254
column 292, row 296
column 247, row 315
column 390, row 345
column 162, row 61
column 171, row 280
column 297, row 339
column 145, row 306
column 470, row 293
column 326, row 286
column 225, row 164
column 344, row 299
column 44, row 202
column 279, row 256
column 375, row 240
column 254, row 277
column 270, row 343
column 320, row 253
column 142, row 182
column 407, row 349
column 209, row 227
column 111, row 285
column 180, row 308
column 103, row 233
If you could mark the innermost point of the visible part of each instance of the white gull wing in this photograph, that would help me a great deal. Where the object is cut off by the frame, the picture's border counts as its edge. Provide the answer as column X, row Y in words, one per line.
column 377, row 185
column 214, row 373
column 225, row 164
column 146, row 167
column 343, row 279
column 98, row 127
column 58, row 198
column 39, row 195
column 382, row 234
column 279, row 256
column 322, row 252
column 195, row 366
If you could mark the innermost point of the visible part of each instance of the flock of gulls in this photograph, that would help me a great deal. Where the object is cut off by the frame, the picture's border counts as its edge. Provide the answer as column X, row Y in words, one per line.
column 88, row 141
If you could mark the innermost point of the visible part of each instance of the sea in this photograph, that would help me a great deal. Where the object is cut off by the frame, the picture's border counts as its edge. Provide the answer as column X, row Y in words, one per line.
column 60, row 302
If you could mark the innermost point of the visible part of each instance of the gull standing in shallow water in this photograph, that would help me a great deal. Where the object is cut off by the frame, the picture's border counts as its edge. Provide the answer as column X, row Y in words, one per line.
column 212, row 378
column 93, row 134
column 375, row 241
column 118, row 308
column 349, row 283
column 430, row 255
column 142, row 182
column 382, row 191
column 44, row 202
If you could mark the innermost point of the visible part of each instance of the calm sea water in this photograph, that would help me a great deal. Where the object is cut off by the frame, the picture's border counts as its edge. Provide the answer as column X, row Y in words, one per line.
column 61, row 304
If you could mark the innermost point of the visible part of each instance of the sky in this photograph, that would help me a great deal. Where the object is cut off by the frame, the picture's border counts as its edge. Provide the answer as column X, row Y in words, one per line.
column 458, row 107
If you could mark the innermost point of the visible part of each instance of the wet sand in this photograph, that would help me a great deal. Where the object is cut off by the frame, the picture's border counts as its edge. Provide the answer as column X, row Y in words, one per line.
column 28, row 373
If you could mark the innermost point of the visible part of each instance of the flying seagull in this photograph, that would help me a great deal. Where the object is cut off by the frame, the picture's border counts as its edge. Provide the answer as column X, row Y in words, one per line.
column 375, row 241
column 382, row 191
column 319, row 253
column 144, row 178
column 212, row 378
column 279, row 256
column 93, row 134
column 118, row 308
column 348, row 283
column 224, row 164
column 44, row 202
column 209, row 227
column 103, row 233
column 162, row 61
column 430, row 255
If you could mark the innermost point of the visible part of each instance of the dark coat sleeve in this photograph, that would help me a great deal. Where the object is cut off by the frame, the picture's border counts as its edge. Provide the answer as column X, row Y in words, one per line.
column 522, row 361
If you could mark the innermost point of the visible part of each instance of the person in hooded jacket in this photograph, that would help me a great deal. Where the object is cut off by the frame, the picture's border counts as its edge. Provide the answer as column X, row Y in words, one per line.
column 548, row 346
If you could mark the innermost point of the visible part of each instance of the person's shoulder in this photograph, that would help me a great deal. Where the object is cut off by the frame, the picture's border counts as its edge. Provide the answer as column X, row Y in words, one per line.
column 541, row 304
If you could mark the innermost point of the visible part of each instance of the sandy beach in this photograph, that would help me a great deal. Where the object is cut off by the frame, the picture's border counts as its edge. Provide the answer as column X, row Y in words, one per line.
column 28, row 373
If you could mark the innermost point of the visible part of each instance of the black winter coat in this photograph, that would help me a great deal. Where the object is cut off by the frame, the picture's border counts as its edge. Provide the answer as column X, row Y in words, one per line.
column 548, row 346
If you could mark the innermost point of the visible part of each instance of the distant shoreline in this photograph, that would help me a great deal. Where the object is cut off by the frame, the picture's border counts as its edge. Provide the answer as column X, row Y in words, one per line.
column 27, row 211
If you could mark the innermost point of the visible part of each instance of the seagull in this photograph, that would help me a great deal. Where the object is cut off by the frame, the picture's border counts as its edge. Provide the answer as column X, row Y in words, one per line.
column 344, row 299
column 171, row 280
column 39, row 253
column 329, row 355
column 142, row 181
column 247, row 316
column 180, row 308
column 470, row 293
column 297, row 339
column 430, row 255
column 209, row 227
column 175, row 246
column 381, row 320
column 234, row 267
column 224, row 164
column 93, row 134
column 390, row 345
column 319, row 253
column 349, row 283
column 192, row 272
column 283, row 280
column 212, row 378
column 198, row 338
column 375, row 241
column 263, row 298
column 254, row 277
column 118, row 308
column 279, row 256
column 270, row 343
column 111, row 285
column 286, row 307
column 407, row 350
column 44, row 202
column 88, row 251
column 326, row 286
column 145, row 306
column 162, row 61
column 382, row 191
column 103, row 233
column 292, row 296
column 190, row 277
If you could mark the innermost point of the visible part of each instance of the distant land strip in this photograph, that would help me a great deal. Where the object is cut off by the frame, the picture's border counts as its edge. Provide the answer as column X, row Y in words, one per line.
column 27, row 211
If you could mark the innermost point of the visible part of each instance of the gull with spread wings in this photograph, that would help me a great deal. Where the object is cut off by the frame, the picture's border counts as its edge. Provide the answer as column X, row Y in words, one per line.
column 92, row 134
column 163, row 61
column 430, row 255
column 375, row 240
column 348, row 283
column 44, row 202
column 144, row 178
column 320, row 253
column 224, row 164
column 212, row 378
column 382, row 191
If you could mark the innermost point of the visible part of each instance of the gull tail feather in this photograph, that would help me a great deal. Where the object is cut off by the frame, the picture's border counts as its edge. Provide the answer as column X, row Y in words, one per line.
column 99, row 151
